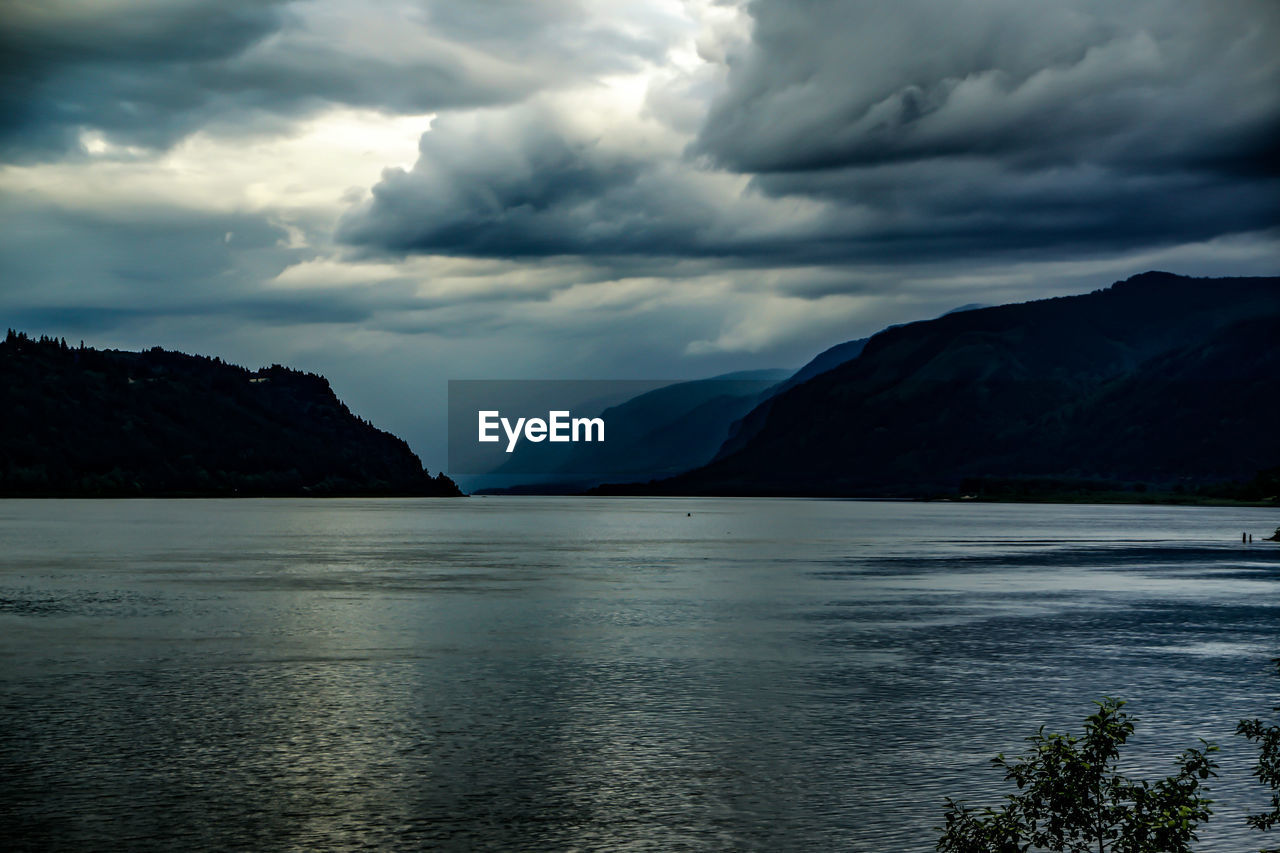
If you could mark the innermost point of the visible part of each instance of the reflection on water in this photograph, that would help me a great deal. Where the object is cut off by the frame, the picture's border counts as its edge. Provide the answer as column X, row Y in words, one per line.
column 557, row 674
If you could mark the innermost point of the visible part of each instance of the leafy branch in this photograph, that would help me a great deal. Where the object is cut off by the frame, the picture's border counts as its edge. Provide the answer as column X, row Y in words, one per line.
column 1072, row 798
column 1267, row 770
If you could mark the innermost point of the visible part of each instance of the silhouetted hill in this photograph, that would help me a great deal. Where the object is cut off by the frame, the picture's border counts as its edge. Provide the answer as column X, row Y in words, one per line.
column 1159, row 379
column 84, row 422
column 833, row 357
column 659, row 433
column 828, row 359
column 672, row 429
column 745, row 428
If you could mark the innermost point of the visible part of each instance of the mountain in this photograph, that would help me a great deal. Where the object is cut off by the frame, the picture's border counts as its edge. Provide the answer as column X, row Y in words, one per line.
column 744, row 429
column 680, row 426
column 85, row 422
column 828, row 359
column 658, row 433
column 1160, row 379
column 667, row 430
column 833, row 357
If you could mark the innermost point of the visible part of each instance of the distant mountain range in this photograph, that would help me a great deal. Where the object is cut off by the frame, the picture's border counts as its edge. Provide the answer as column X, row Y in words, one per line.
column 674, row 428
column 76, row 421
column 1160, row 381
column 659, row 433
column 833, row 357
column 741, row 431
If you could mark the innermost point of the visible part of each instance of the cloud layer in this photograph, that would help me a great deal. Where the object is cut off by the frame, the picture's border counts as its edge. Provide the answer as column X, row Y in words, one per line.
column 149, row 73
column 400, row 192
column 910, row 130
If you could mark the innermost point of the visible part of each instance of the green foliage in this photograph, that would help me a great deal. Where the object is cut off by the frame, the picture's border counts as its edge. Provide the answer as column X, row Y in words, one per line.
column 1267, row 737
column 1072, row 798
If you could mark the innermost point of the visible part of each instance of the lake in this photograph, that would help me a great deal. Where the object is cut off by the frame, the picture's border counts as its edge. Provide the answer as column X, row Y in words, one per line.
column 601, row 674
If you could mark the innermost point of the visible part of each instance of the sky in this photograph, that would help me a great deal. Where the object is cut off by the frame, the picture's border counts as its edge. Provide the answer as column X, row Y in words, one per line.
column 395, row 194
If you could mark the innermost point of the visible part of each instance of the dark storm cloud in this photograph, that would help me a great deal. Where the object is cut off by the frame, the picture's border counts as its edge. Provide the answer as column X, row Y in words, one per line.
column 992, row 125
column 68, row 66
column 522, row 187
column 271, row 309
column 147, row 74
column 523, row 184
column 84, row 270
column 953, row 208
column 147, row 251
column 861, row 83
column 924, row 130
column 130, row 269
column 133, row 266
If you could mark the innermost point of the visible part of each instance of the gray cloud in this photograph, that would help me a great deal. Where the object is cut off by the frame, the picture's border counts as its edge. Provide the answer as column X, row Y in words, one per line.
column 847, row 166
column 994, row 126
column 68, row 66
column 147, row 74
column 980, row 207
column 975, row 129
column 1005, row 128
column 87, row 269
column 557, row 31
column 1158, row 82
column 522, row 183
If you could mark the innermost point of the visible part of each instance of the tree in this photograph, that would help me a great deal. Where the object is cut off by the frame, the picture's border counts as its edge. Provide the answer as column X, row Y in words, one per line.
column 1072, row 799
column 1267, row 737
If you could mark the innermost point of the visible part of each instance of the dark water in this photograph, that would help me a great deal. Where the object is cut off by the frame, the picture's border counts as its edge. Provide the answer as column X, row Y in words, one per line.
column 562, row 674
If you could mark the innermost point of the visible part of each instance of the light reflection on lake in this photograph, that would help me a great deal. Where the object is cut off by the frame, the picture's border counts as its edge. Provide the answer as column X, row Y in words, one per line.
column 647, row 674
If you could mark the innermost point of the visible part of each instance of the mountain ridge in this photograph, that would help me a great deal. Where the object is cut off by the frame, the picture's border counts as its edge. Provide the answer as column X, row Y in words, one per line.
column 1022, row 390
column 81, row 422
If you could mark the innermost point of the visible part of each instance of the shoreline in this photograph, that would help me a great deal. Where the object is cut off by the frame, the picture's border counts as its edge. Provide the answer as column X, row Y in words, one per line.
column 1100, row 499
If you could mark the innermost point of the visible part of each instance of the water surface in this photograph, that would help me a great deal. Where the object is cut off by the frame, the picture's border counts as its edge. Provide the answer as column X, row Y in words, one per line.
column 621, row 674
